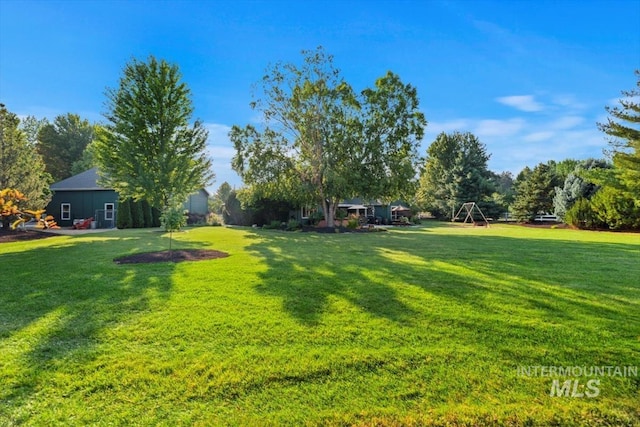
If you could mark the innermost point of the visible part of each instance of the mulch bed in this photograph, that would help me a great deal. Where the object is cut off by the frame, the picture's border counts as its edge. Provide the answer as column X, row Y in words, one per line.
column 176, row 255
column 7, row 236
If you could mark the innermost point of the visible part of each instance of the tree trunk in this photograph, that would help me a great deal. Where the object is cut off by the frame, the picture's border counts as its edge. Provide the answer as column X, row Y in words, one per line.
column 329, row 210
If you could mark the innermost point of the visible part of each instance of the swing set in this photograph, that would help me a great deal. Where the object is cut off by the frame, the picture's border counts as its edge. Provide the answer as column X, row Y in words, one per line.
column 470, row 209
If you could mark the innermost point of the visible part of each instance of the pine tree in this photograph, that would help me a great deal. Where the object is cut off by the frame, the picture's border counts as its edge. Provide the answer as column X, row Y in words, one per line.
column 534, row 192
column 623, row 128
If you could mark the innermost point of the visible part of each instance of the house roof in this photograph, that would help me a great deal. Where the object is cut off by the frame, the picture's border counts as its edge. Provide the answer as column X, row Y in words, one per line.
column 87, row 180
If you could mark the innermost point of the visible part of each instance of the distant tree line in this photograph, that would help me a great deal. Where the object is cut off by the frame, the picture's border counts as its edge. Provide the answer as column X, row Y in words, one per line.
column 322, row 142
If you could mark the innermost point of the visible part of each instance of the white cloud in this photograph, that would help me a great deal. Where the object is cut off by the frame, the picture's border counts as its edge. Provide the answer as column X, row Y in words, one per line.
column 221, row 150
column 568, row 102
column 498, row 128
column 538, row 136
column 567, row 122
column 525, row 103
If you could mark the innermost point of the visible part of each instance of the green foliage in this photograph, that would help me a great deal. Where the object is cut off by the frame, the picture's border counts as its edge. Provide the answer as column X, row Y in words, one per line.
column 623, row 128
column 137, row 214
column 147, row 213
column 87, row 160
column 323, row 143
column 31, row 126
column 576, row 186
column 315, row 217
column 148, row 149
column 123, row 216
column 155, row 217
column 563, row 168
column 218, row 200
column 582, row 215
column 234, row 213
column 614, row 208
column 21, row 167
column 353, row 222
column 273, row 225
column 535, row 190
column 214, row 219
column 293, row 224
column 63, row 142
column 173, row 218
column 455, row 172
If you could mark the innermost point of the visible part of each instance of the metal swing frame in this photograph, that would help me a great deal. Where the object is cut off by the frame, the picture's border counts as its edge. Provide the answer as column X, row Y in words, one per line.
column 470, row 207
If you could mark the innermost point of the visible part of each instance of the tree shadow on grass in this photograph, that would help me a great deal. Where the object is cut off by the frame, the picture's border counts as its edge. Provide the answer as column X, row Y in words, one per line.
column 57, row 299
column 488, row 284
column 308, row 281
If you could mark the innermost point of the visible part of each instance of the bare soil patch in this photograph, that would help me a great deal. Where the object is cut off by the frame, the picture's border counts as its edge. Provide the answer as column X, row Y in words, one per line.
column 176, row 255
column 7, row 236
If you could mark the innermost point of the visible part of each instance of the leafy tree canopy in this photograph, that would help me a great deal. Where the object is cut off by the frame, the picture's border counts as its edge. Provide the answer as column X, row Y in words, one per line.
column 148, row 149
column 455, row 172
column 322, row 142
column 62, row 143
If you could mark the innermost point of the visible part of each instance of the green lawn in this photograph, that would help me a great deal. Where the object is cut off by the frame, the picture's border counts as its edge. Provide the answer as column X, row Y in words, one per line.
column 424, row 325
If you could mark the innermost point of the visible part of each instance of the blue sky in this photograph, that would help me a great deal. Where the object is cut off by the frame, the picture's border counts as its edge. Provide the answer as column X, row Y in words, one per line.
column 529, row 78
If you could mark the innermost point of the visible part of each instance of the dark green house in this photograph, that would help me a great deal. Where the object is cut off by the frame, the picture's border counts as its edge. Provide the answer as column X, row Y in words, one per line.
column 375, row 211
column 80, row 197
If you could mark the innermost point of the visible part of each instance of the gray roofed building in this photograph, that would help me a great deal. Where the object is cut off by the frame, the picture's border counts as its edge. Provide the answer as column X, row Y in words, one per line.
column 87, row 180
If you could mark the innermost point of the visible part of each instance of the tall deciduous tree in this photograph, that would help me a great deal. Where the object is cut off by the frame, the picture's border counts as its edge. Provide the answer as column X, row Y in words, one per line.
column 62, row 143
column 623, row 129
column 21, row 167
column 455, row 172
column 149, row 149
column 322, row 142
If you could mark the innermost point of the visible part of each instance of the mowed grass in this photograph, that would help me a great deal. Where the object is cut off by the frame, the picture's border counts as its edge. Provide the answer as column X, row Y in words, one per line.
column 417, row 326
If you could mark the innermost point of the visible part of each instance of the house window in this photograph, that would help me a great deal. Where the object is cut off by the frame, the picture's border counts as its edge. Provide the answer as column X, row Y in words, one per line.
column 306, row 212
column 109, row 208
column 65, row 211
column 394, row 213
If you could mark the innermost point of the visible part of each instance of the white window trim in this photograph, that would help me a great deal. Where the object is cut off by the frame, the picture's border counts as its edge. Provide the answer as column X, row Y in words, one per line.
column 65, row 215
column 306, row 210
column 109, row 209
